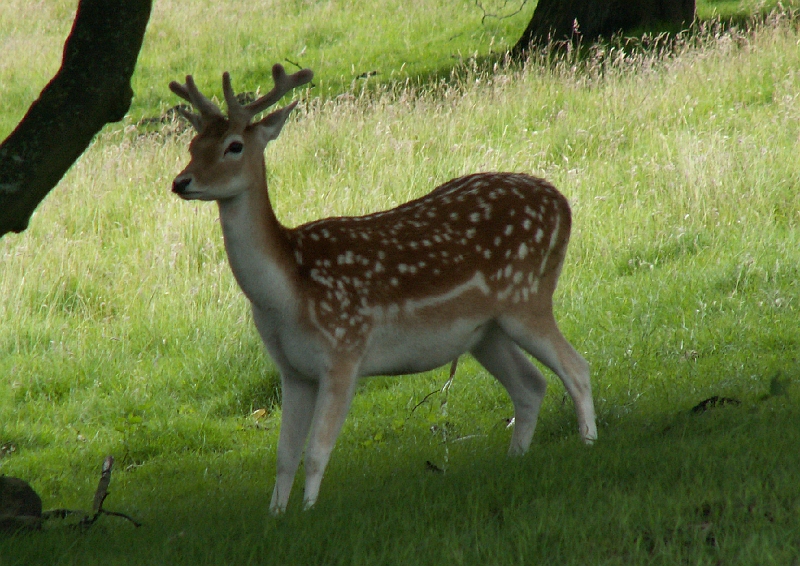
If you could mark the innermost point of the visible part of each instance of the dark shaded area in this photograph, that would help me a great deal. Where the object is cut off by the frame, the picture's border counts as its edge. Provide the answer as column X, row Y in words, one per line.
column 573, row 21
column 91, row 89
column 462, row 66
column 632, row 39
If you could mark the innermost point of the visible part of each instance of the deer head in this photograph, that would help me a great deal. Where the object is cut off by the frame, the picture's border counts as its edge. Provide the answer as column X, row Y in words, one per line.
column 227, row 153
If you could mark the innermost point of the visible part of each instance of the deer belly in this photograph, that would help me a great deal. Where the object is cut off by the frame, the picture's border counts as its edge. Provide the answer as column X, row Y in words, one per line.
column 394, row 350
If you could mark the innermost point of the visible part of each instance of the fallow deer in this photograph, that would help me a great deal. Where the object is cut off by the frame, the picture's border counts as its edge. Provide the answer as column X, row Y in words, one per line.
column 470, row 267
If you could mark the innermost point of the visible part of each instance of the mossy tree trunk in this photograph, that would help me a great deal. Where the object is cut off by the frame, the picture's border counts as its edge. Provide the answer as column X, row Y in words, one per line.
column 91, row 89
column 567, row 21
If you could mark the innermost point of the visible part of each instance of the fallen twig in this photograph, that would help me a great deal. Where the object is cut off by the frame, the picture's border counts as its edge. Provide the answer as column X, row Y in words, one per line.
column 715, row 401
column 21, row 506
column 444, row 388
column 100, row 495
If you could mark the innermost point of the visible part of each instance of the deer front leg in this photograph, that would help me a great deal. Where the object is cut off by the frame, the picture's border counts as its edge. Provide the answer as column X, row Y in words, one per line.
column 297, row 410
column 333, row 401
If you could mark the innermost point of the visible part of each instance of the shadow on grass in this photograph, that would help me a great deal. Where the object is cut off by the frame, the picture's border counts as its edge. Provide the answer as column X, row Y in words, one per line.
column 685, row 486
column 641, row 40
column 645, row 39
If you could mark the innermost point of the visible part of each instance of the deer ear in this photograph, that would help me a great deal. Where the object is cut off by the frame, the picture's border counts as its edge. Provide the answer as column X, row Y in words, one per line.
column 269, row 127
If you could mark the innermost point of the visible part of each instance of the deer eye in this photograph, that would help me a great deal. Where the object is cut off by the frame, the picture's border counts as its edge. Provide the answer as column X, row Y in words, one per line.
column 234, row 147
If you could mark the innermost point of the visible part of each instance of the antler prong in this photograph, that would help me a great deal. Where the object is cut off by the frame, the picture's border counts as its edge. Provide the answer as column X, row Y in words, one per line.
column 194, row 119
column 189, row 92
column 283, row 84
column 236, row 112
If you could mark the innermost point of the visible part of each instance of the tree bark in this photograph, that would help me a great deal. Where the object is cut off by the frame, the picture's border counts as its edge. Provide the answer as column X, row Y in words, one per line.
column 567, row 21
column 91, row 89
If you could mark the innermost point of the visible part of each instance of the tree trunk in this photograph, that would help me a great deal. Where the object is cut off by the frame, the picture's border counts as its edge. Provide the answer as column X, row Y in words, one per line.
column 91, row 88
column 566, row 21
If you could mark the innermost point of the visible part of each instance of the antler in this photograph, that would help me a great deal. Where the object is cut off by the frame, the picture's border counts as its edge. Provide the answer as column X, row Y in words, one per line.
column 283, row 84
column 237, row 113
column 190, row 93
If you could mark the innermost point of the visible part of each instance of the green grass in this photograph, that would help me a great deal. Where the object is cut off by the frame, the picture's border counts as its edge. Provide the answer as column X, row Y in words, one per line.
column 124, row 332
column 340, row 39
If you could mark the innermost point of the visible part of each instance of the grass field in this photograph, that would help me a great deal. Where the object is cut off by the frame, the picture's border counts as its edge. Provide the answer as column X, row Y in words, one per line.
column 124, row 332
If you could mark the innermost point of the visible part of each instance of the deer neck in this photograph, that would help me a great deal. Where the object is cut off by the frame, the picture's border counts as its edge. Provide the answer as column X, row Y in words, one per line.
column 257, row 247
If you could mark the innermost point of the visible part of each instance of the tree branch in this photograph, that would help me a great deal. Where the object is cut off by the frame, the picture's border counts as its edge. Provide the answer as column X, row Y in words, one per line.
column 91, row 89
column 497, row 16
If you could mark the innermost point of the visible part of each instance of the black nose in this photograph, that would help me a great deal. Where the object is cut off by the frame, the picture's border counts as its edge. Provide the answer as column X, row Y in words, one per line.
column 180, row 186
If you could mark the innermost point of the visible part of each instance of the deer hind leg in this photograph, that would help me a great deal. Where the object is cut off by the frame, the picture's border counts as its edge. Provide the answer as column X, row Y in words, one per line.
column 541, row 338
column 525, row 384
column 333, row 401
column 299, row 398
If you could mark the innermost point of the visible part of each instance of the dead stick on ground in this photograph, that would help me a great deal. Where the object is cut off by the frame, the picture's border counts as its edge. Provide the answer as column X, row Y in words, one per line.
column 99, row 497
column 444, row 388
column 102, row 492
column 102, row 487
